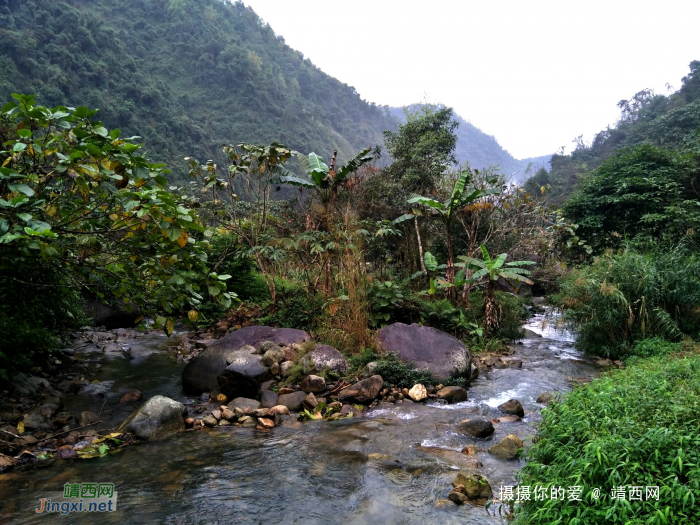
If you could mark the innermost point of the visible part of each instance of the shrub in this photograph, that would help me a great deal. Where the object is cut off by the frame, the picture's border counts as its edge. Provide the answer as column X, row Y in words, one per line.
column 36, row 306
column 396, row 373
column 623, row 298
column 295, row 309
column 634, row 427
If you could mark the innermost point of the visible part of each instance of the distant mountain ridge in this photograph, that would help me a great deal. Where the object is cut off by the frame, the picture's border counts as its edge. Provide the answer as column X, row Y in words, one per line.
column 481, row 150
column 189, row 75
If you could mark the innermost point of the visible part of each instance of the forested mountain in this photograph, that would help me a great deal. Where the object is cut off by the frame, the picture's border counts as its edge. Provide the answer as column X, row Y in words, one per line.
column 481, row 150
column 186, row 75
column 670, row 122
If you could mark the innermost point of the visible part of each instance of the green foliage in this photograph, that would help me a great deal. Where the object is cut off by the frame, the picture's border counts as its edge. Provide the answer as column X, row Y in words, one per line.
column 81, row 200
column 624, row 298
column 155, row 69
column 634, row 427
column 422, row 149
column 445, row 316
column 396, row 373
column 670, row 122
column 37, row 304
column 654, row 347
column 383, row 298
column 359, row 361
column 643, row 194
column 295, row 309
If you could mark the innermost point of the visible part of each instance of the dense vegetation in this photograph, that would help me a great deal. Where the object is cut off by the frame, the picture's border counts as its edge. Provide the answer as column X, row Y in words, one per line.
column 185, row 75
column 635, row 427
column 337, row 243
column 632, row 198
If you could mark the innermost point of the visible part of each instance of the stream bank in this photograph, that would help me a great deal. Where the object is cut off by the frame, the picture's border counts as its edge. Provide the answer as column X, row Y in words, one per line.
column 396, row 464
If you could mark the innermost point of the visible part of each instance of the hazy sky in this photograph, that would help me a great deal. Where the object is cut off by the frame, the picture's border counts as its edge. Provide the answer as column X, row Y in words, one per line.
column 535, row 74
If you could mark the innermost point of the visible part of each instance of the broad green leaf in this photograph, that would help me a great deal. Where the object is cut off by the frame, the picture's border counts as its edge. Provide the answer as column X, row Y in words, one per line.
column 430, row 262
column 22, row 188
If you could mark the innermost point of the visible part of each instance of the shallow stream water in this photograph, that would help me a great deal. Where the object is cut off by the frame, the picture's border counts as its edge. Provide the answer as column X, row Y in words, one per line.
column 367, row 470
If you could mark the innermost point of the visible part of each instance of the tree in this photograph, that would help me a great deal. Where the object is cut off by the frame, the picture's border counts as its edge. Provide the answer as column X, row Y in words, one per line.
column 491, row 270
column 325, row 182
column 239, row 202
column 461, row 196
column 644, row 193
column 422, row 149
column 83, row 201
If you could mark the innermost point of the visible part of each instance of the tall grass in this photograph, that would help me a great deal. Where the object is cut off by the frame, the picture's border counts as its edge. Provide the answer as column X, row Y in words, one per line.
column 622, row 298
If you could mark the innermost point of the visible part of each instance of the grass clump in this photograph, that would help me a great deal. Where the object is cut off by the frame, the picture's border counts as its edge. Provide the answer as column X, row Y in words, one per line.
column 633, row 427
column 627, row 297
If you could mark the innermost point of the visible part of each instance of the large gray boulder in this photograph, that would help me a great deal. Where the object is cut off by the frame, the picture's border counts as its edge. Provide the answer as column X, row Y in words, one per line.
column 200, row 374
column 427, row 348
column 157, row 418
column 322, row 357
column 243, row 376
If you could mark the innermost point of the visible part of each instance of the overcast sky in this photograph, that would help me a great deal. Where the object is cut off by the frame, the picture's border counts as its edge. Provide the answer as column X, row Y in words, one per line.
column 534, row 74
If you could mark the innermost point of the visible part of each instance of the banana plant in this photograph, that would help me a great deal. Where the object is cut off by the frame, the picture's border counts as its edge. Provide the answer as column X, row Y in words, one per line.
column 323, row 179
column 461, row 196
column 491, row 269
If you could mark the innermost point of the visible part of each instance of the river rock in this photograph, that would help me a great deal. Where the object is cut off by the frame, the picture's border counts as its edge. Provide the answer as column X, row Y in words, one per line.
column 458, row 495
column 310, row 401
column 313, row 383
column 28, row 385
column 228, row 414
column 131, row 397
column 243, row 376
column 244, row 404
column 508, row 362
column 545, row 398
column 508, row 448
column 280, row 410
column 87, row 418
column 266, row 422
column 512, row 406
column 363, row 391
column 322, row 357
column 452, row 394
column 286, row 368
column 426, row 348
column 476, row 487
column 210, row 421
column 157, row 418
column 292, row 401
column 200, row 374
column 273, row 356
column 418, row 392
column 479, row 428
column 268, row 398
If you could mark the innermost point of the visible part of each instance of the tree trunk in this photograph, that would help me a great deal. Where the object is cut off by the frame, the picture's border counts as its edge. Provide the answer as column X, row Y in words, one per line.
column 450, row 273
column 420, row 245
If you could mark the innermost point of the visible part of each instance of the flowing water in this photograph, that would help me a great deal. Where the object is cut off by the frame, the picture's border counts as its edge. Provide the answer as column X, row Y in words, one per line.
column 376, row 469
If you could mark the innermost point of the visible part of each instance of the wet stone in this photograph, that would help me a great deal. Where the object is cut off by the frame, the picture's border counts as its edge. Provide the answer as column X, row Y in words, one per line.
column 512, row 406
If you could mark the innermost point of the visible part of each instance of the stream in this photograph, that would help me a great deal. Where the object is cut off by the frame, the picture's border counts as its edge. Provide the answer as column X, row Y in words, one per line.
column 374, row 469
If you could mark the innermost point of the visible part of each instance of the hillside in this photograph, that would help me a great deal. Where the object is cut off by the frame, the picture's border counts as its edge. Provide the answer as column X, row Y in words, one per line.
column 186, row 75
column 671, row 122
column 481, row 150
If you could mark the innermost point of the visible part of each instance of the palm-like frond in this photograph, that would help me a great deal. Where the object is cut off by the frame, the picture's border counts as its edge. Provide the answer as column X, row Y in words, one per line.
column 353, row 165
column 426, row 201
